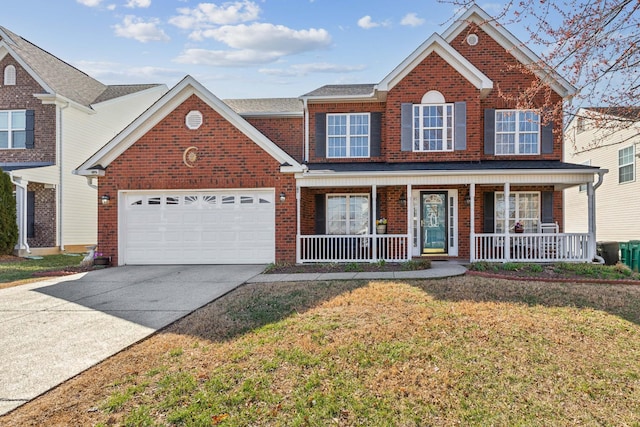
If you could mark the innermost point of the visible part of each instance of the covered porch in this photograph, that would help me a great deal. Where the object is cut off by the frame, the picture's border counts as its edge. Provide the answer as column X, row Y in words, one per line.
column 464, row 209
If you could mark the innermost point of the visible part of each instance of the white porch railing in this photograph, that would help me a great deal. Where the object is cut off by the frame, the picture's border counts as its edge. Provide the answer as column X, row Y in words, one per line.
column 353, row 248
column 531, row 247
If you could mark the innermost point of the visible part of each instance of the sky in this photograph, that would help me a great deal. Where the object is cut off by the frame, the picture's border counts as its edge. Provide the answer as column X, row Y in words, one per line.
column 237, row 49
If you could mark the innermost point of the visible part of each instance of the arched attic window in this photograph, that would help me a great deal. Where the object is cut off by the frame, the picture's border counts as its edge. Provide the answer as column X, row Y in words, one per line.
column 433, row 97
column 9, row 75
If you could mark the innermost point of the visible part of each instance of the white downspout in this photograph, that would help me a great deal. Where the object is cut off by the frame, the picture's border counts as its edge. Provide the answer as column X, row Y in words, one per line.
column 507, row 242
column 591, row 208
column 306, row 130
column 21, row 204
column 472, row 223
column 60, row 192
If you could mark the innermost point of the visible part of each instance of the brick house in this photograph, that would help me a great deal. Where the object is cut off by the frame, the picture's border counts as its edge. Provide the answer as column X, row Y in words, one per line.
column 432, row 151
column 52, row 117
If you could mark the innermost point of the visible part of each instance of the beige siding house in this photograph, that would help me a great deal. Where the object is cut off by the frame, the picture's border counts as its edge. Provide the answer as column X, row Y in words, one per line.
column 52, row 117
column 607, row 138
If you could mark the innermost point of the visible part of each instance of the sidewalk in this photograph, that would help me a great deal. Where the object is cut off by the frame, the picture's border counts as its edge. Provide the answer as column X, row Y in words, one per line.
column 439, row 269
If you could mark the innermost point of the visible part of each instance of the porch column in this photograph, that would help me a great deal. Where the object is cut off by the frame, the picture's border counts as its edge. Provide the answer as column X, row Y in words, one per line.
column 506, row 248
column 472, row 223
column 409, row 223
column 591, row 211
column 298, row 249
column 374, row 209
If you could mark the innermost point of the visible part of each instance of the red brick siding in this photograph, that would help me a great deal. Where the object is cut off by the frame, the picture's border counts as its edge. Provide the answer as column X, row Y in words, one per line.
column 20, row 97
column 287, row 133
column 226, row 159
column 45, row 216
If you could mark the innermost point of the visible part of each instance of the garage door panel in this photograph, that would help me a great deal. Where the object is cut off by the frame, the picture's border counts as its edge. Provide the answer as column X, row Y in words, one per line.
column 212, row 227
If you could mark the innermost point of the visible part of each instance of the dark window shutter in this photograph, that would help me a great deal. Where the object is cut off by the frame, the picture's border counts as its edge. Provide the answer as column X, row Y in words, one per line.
column 31, row 214
column 321, row 214
column 30, row 126
column 376, row 134
column 489, row 213
column 460, row 121
column 406, row 120
column 546, row 216
column 489, row 131
column 546, row 138
column 321, row 135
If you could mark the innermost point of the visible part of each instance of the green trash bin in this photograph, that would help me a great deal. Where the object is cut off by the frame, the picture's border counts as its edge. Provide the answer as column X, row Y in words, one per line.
column 625, row 257
column 634, row 254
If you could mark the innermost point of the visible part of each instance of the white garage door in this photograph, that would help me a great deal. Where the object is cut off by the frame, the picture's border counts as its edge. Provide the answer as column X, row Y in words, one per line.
column 197, row 227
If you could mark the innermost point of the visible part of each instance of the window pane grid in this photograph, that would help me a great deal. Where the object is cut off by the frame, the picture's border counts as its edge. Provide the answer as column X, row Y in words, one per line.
column 523, row 207
column 433, row 127
column 13, row 129
column 348, row 135
column 517, row 132
column 347, row 214
column 626, row 164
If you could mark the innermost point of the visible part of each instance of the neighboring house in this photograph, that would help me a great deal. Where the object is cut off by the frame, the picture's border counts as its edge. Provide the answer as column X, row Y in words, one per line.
column 52, row 117
column 608, row 138
column 432, row 148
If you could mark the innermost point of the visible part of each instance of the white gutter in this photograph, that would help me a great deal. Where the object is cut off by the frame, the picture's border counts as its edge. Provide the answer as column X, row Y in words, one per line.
column 22, row 219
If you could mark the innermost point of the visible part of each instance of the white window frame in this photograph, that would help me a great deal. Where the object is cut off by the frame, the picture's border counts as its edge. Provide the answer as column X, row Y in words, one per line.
column 10, row 75
column 349, row 135
column 630, row 161
column 10, row 129
column 530, row 222
column 447, row 128
column 517, row 132
column 349, row 223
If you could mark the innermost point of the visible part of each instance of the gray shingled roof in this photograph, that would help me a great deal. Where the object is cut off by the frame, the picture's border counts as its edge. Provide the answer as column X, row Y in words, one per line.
column 265, row 106
column 116, row 91
column 448, row 166
column 62, row 78
column 343, row 90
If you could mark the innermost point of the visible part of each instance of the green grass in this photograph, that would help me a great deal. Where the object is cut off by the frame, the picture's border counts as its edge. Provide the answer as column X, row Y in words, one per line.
column 459, row 351
column 561, row 270
column 14, row 271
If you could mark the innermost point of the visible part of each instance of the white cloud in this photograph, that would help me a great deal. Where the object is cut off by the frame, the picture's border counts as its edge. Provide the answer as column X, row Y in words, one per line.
column 115, row 73
column 138, row 29
column 412, row 20
column 366, row 23
column 222, row 58
column 90, row 3
column 206, row 15
column 138, row 3
column 270, row 38
column 305, row 69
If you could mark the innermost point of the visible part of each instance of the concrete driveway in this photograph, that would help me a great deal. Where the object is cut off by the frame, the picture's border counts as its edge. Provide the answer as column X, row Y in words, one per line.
column 52, row 330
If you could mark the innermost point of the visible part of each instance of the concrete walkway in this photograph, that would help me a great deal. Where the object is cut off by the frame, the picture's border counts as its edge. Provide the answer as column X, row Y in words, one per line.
column 53, row 330
column 439, row 269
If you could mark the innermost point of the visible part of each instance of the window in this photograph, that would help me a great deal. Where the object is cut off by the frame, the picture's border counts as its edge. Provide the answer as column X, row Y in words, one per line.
column 433, row 127
column 13, row 129
column 517, row 132
column 626, row 164
column 348, row 135
column 524, row 207
column 348, row 214
column 9, row 75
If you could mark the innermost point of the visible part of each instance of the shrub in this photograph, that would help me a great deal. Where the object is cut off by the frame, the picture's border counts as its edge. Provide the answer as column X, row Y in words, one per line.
column 8, row 218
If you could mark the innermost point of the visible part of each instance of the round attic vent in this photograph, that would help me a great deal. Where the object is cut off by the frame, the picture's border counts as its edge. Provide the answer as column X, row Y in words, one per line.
column 472, row 39
column 194, row 120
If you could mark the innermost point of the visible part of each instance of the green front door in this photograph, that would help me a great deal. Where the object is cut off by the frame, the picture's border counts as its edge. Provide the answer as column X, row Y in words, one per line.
column 433, row 222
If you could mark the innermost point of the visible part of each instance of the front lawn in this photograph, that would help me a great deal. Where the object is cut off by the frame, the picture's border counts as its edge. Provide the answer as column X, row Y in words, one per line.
column 17, row 269
column 467, row 350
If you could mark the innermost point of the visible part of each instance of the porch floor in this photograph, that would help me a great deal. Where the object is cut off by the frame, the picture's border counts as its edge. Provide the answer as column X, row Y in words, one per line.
column 439, row 269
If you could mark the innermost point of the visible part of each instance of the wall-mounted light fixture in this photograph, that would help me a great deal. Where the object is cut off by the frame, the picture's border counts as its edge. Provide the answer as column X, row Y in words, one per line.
column 105, row 199
column 283, row 197
column 467, row 199
column 402, row 200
